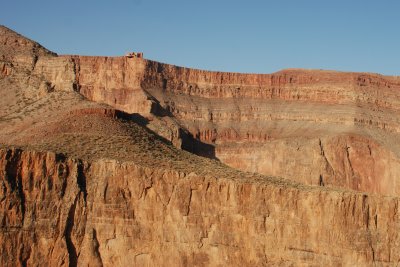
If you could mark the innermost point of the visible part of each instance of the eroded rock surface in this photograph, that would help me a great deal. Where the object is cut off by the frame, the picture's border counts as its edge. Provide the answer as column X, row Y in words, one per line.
column 60, row 211
column 290, row 123
column 108, row 182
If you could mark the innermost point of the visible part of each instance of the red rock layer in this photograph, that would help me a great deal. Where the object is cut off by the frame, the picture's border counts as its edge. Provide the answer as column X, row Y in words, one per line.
column 290, row 110
column 158, row 206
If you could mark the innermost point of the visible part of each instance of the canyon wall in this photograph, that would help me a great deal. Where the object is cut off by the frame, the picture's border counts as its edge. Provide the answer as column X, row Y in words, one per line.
column 60, row 211
column 83, row 183
column 114, row 81
column 108, row 73
column 273, row 124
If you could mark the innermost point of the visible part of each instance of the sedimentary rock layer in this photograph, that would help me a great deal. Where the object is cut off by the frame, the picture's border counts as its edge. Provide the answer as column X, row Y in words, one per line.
column 60, row 211
column 99, row 183
column 291, row 123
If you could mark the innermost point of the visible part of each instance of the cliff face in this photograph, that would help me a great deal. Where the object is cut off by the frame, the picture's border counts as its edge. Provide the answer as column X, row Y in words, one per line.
column 107, row 73
column 291, row 123
column 100, row 183
column 110, row 213
column 115, row 81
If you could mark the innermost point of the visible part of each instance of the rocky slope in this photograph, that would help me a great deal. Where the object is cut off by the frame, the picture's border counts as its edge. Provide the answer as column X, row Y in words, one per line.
column 99, row 183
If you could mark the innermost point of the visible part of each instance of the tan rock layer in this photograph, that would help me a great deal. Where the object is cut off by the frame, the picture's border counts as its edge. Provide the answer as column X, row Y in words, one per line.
column 117, row 214
column 110, row 73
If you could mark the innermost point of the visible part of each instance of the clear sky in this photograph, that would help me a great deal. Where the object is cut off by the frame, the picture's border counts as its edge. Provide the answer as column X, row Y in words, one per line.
column 226, row 35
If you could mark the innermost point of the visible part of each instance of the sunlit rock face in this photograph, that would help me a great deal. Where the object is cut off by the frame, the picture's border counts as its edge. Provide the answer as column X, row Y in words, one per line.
column 98, row 164
column 315, row 127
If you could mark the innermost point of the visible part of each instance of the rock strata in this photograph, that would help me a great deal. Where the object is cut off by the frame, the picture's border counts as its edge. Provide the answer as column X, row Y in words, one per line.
column 61, row 211
column 98, row 164
column 272, row 124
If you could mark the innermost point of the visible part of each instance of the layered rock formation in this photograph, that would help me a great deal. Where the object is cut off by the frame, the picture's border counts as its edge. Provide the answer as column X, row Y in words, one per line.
column 100, row 183
column 291, row 124
column 58, row 211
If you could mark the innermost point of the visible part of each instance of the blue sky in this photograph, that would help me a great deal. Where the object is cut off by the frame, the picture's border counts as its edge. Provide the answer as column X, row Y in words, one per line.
column 238, row 36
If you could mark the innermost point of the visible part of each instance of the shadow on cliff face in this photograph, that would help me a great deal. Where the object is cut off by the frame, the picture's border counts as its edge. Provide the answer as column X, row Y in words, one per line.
column 189, row 142
column 195, row 146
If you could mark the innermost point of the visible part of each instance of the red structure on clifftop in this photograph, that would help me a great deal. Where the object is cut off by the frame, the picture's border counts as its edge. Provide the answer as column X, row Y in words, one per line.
column 134, row 55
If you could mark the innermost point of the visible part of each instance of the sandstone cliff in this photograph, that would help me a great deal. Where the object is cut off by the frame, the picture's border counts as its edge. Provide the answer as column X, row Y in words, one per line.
column 107, row 182
column 59, row 211
column 291, row 123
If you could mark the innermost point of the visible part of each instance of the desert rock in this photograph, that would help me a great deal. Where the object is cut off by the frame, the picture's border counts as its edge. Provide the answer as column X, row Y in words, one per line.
column 98, row 164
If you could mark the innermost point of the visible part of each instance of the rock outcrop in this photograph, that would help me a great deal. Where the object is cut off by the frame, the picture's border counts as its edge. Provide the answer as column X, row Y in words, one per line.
column 60, row 211
column 110, row 181
column 290, row 123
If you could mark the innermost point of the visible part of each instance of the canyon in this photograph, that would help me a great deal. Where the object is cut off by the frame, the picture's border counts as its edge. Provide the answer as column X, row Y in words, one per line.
column 126, row 161
column 303, row 125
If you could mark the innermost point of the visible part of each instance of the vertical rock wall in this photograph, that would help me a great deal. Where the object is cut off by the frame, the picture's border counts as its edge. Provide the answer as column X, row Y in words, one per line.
column 64, row 212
